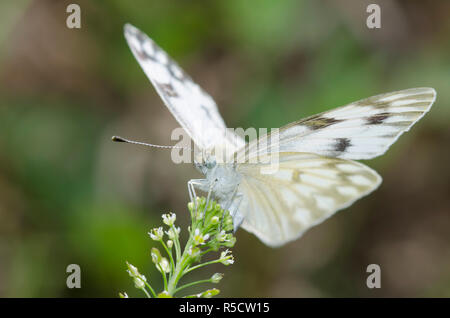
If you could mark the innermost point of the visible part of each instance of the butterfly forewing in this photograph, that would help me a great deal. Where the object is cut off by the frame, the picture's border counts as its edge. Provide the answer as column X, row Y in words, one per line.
column 361, row 130
column 193, row 108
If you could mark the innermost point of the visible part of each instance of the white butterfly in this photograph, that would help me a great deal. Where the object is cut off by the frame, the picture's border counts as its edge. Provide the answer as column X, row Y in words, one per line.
column 316, row 175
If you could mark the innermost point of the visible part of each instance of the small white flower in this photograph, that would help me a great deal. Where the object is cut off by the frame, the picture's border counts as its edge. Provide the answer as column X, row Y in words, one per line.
column 224, row 254
column 228, row 261
column 226, row 258
column 169, row 219
column 173, row 234
column 123, row 295
column 216, row 278
column 199, row 238
column 165, row 265
column 156, row 234
column 169, row 243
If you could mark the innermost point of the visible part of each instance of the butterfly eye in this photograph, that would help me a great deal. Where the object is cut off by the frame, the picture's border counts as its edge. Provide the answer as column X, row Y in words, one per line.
column 210, row 163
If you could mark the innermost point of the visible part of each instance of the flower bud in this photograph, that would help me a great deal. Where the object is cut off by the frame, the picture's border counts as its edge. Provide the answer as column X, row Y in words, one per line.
column 156, row 255
column 139, row 282
column 209, row 293
column 215, row 220
column 228, row 222
column 217, row 277
column 230, row 240
column 132, row 270
column 164, row 265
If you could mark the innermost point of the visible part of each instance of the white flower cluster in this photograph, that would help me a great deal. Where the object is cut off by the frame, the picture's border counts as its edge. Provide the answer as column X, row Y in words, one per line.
column 211, row 229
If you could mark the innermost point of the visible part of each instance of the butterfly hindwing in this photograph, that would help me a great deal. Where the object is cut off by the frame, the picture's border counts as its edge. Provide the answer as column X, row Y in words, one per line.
column 304, row 191
column 315, row 176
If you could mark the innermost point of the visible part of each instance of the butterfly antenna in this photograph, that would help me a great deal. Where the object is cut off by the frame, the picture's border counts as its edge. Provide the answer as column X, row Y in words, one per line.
column 120, row 139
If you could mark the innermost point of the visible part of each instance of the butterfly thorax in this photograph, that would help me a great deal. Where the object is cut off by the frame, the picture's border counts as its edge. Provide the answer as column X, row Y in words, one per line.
column 222, row 177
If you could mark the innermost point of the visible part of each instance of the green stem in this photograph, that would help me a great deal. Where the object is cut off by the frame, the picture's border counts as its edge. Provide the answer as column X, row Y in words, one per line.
column 146, row 293
column 192, row 284
column 163, row 275
column 176, row 242
column 178, row 273
column 151, row 289
column 201, row 265
column 206, row 251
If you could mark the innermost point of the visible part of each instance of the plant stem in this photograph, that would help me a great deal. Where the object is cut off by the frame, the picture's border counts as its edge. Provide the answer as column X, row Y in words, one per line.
column 192, row 284
column 176, row 242
column 179, row 267
column 163, row 275
column 146, row 293
column 201, row 265
column 151, row 289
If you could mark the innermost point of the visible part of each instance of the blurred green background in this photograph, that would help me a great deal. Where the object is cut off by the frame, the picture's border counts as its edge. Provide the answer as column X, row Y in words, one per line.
column 70, row 195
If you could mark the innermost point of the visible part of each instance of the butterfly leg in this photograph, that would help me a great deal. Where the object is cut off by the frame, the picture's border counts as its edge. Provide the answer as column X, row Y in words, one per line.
column 201, row 184
column 208, row 197
column 191, row 189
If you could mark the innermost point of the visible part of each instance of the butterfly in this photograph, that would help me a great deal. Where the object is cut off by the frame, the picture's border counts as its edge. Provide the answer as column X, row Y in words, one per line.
column 316, row 174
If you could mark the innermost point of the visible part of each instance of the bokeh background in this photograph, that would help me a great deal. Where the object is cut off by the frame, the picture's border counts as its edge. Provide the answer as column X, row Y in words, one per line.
column 70, row 195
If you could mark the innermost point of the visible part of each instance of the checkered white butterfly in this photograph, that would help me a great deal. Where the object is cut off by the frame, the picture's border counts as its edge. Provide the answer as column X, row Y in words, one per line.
column 316, row 174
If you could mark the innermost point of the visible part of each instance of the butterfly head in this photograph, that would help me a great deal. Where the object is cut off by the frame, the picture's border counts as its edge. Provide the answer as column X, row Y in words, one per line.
column 205, row 161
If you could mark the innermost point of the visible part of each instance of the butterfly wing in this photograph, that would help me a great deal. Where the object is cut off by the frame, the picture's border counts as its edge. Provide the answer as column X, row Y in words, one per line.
column 193, row 108
column 361, row 130
column 304, row 191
